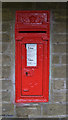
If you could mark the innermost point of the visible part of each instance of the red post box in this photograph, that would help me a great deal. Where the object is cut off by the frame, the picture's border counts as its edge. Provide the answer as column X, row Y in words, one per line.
column 32, row 56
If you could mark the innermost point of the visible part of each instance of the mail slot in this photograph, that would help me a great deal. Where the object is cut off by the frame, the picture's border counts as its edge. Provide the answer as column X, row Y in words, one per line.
column 32, row 34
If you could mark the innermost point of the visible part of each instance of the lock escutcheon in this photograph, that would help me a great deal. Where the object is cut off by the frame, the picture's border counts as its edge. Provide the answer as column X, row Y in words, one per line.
column 26, row 73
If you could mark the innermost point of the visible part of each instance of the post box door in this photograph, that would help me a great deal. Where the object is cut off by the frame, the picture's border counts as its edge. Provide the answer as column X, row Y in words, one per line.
column 32, row 68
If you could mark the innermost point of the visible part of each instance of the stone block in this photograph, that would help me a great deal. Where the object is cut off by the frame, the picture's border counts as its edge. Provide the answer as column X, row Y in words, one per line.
column 66, row 73
column 0, row 18
column 25, row 111
column 59, row 27
column 0, row 85
column 59, row 15
column 6, row 60
column 6, row 48
column 65, row 118
column 45, row 118
column 0, row 96
column 54, row 109
column 6, row 27
column 59, row 97
column 51, row 91
column 0, row 47
column 67, row 110
column 0, row 31
column 0, row 109
column 0, row 59
column 17, row 6
column 6, row 96
column 8, row 110
column 7, row 14
column 1, row 72
column 55, row 59
column 58, row 38
column 66, row 48
column 66, row 96
column 64, row 59
column 59, row 71
column 0, row 36
column 59, row 48
column 6, row 85
column 58, row 84
column 50, row 6
column 6, row 37
column 6, row 71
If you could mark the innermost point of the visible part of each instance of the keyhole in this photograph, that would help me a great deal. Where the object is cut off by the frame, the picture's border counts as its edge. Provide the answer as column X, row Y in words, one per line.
column 26, row 73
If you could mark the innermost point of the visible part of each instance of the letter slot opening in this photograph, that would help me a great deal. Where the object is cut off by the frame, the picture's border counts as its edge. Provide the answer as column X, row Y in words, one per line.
column 32, row 31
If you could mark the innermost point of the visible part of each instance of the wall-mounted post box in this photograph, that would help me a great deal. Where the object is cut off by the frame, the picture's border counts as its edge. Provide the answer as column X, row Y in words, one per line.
column 32, row 56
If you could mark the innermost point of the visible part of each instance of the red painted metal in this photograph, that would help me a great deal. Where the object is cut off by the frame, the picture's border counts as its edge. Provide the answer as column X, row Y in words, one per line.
column 32, row 82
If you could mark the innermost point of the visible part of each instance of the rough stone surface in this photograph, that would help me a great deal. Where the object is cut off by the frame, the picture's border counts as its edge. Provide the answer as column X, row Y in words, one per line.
column 6, row 60
column 59, row 71
column 59, row 48
column 59, row 38
column 6, row 27
column 0, row 96
column 7, row 110
column 64, row 59
column 6, row 48
column 0, row 59
column 58, row 84
column 54, row 109
column 6, row 71
column 0, row 85
column 6, row 96
column 59, row 15
column 55, row 59
column 67, row 96
column 59, row 28
column 0, row 36
column 24, row 112
column 6, row 85
column 0, row 47
column 6, row 37
column 64, row 118
column 59, row 96
column 8, row 15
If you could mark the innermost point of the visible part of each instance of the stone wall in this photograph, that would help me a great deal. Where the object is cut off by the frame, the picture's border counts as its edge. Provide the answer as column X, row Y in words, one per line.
column 56, row 107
